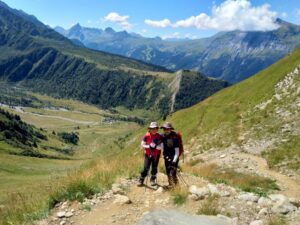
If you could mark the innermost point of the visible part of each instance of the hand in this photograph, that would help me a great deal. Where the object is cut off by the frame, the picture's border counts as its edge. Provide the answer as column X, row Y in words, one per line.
column 152, row 146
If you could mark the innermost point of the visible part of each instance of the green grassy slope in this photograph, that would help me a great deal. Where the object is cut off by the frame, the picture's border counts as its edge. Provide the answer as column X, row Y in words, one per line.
column 229, row 116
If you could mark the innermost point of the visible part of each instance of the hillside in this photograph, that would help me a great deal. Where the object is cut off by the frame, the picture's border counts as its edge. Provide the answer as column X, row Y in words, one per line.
column 224, row 137
column 36, row 57
column 259, row 115
column 238, row 54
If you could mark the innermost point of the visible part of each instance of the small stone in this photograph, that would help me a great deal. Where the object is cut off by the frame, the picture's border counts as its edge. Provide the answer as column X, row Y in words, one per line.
column 263, row 211
column 294, row 201
column 194, row 197
column 116, row 189
column 248, row 197
column 224, row 193
column 61, row 214
column 264, row 201
column 62, row 223
column 69, row 214
column 159, row 190
column 283, row 208
column 223, row 156
column 213, row 189
column 278, row 198
column 122, row 199
column 64, row 205
column 200, row 192
column 257, row 222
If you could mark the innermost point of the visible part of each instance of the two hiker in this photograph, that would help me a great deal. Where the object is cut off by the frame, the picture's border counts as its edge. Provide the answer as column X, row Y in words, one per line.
column 153, row 143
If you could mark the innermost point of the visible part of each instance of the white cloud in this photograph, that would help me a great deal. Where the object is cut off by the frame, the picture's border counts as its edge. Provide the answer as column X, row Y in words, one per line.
column 158, row 23
column 230, row 15
column 234, row 15
column 284, row 15
column 298, row 14
column 120, row 20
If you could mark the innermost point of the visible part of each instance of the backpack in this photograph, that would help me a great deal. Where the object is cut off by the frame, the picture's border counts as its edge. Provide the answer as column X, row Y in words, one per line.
column 181, row 150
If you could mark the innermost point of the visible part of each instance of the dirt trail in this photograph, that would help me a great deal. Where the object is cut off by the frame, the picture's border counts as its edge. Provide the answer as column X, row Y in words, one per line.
column 144, row 200
column 290, row 187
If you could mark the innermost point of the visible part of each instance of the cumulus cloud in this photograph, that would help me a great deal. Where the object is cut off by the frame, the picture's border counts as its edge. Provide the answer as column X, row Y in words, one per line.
column 298, row 14
column 230, row 15
column 158, row 23
column 118, row 19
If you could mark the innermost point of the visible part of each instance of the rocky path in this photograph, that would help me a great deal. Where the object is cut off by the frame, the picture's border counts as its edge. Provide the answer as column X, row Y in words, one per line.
column 126, row 203
column 289, row 186
column 245, row 162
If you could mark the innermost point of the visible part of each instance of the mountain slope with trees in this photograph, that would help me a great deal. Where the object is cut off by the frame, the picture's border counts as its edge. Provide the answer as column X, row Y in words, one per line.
column 35, row 56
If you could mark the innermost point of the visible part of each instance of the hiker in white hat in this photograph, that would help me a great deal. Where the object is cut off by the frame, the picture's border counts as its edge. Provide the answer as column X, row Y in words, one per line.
column 152, row 146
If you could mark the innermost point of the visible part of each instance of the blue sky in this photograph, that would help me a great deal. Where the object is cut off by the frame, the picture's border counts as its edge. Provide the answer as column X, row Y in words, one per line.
column 164, row 18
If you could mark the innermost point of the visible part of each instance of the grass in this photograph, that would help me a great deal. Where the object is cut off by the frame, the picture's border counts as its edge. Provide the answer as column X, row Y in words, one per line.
column 179, row 195
column 92, row 178
column 213, row 123
column 194, row 162
column 288, row 151
column 276, row 220
column 209, row 206
column 30, row 186
column 246, row 182
column 216, row 122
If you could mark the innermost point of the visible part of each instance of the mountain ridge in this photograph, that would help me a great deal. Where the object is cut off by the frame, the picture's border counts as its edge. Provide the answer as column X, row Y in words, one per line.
column 41, row 59
column 239, row 54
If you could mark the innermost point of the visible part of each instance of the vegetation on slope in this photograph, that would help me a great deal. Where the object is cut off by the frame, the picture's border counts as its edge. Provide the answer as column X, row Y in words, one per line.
column 35, row 56
column 230, row 117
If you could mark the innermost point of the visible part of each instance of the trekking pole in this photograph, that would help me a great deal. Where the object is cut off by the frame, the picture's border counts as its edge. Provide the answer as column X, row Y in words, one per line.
column 181, row 177
column 146, row 182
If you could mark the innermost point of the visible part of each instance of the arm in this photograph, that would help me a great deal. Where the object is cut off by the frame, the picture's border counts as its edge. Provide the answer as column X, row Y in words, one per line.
column 160, row 147
column 144, row 145
column 176, row 154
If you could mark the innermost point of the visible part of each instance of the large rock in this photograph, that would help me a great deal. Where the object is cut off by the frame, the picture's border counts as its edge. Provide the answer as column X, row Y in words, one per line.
column 167, row 217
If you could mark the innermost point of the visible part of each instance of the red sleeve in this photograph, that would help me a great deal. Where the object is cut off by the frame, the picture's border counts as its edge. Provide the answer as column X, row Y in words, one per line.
column 145, row 137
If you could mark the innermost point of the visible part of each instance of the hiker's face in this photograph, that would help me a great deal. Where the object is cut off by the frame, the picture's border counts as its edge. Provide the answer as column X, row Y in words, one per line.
column 153, row 130
column 167, row 130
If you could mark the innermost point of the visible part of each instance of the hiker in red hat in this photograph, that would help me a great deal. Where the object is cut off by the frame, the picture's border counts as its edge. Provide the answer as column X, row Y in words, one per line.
column 172, row 147
column 152, row 148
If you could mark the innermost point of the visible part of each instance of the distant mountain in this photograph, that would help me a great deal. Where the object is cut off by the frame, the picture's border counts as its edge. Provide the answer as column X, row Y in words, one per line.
column 39, row 58
column 237, row 54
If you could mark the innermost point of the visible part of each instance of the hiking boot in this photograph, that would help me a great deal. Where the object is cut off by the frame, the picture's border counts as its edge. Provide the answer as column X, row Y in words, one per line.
column 140, row 182
column 153, row 182
column 172, row 182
